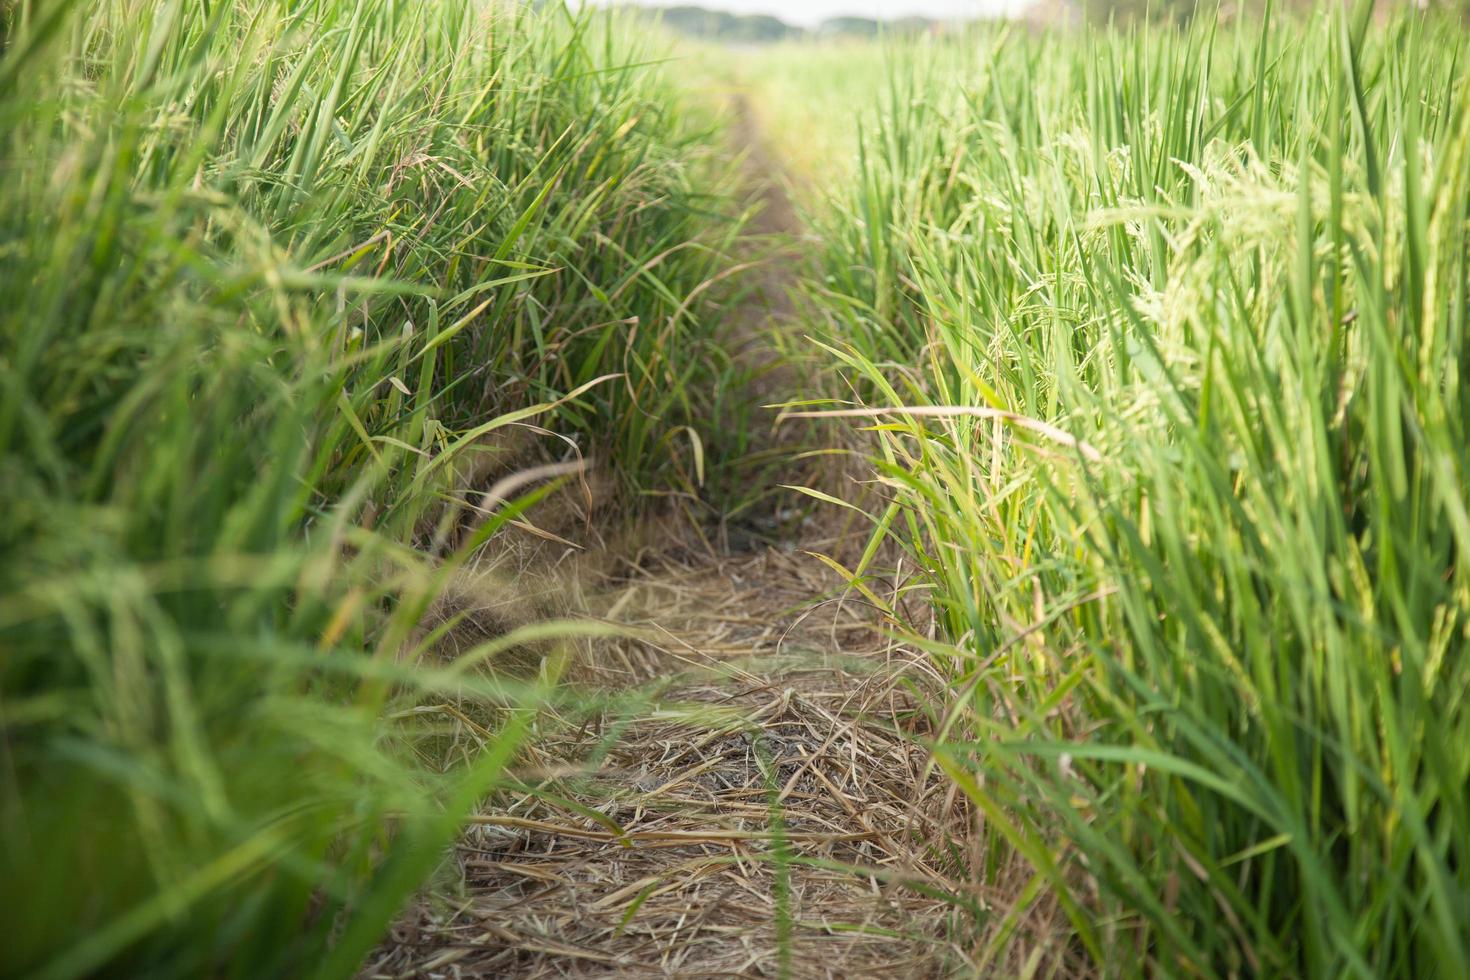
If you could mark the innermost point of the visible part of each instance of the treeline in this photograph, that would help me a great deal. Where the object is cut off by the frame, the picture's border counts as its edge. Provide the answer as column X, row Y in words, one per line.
column 723, row 26
column 720, row 25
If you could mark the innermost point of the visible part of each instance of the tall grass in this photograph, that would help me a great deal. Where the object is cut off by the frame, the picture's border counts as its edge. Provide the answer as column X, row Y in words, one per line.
column 1164, row 332
column 274, row 277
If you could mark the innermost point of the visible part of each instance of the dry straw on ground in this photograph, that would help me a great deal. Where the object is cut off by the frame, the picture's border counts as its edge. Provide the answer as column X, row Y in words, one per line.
column 779, row 722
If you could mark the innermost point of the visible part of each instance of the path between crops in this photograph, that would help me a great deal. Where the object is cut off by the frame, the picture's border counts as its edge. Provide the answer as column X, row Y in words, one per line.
column 780, row 695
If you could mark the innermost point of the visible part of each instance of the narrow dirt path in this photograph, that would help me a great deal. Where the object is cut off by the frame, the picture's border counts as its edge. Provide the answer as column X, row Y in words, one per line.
column 770, row 815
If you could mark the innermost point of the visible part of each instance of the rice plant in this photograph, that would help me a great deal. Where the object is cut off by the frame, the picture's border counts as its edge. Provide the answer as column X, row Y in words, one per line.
column 1161, row 334
column 274, row 278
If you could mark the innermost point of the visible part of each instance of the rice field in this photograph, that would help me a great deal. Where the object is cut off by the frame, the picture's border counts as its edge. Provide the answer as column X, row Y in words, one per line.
column 1160, row 339
column 436, row 439
column 289, row 291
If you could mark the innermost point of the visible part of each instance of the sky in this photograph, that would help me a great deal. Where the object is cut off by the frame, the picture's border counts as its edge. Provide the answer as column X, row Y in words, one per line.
column 808, row 13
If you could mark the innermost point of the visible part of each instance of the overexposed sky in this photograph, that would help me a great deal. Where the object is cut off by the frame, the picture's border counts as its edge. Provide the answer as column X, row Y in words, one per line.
column 808, row 13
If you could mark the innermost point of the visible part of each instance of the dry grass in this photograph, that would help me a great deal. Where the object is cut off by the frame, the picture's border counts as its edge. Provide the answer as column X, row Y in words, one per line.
column 773, row 712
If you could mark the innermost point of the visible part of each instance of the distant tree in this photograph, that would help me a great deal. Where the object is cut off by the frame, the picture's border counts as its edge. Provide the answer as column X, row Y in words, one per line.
column 763, row 27
column 722, row 26
column 910, row 25
column 849, row 27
